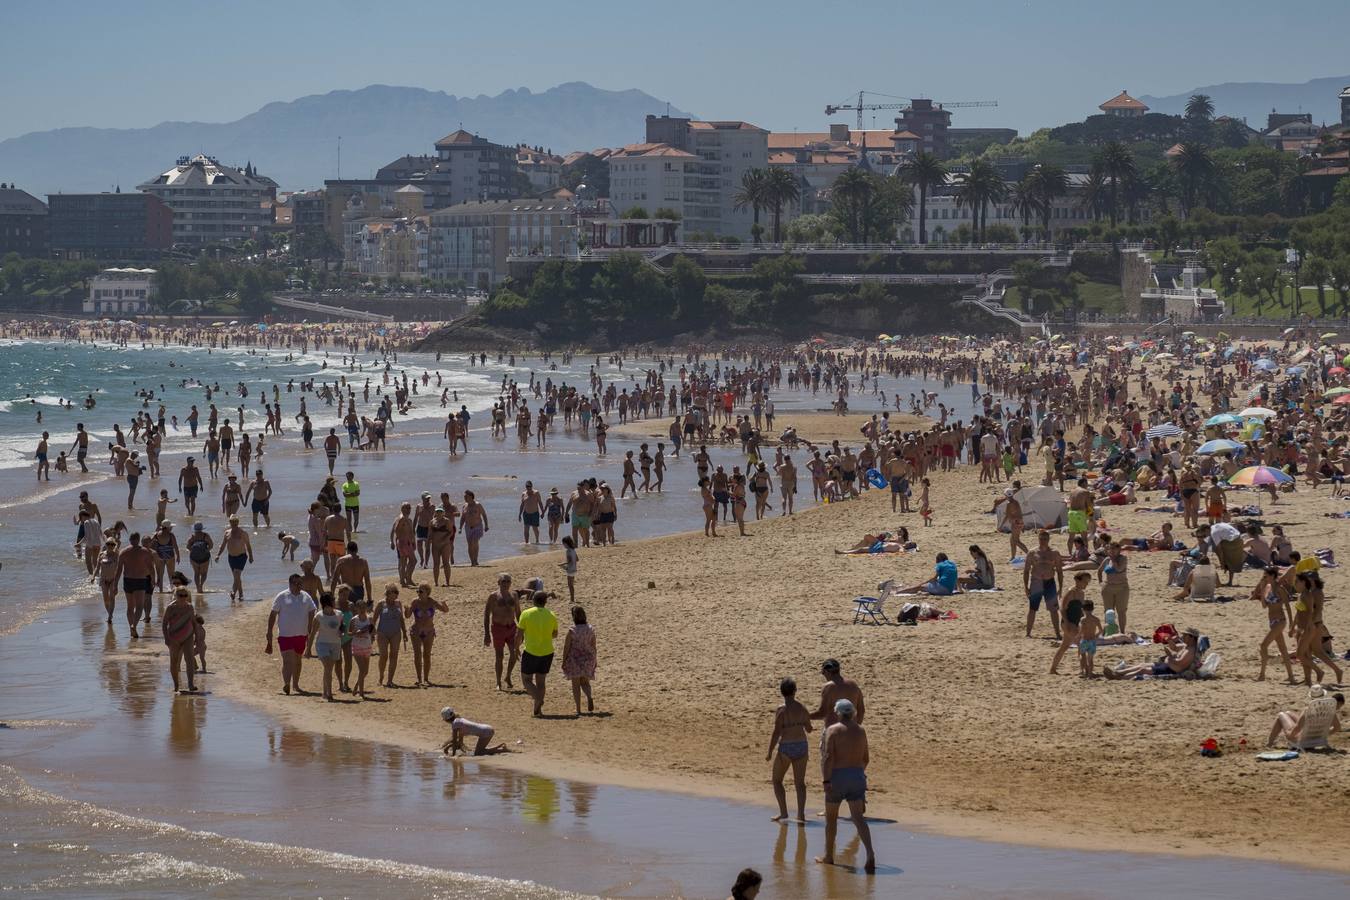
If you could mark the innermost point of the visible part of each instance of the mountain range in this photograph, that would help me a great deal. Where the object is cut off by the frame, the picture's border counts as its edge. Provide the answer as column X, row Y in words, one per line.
column 1254, row 100
column 296, row 142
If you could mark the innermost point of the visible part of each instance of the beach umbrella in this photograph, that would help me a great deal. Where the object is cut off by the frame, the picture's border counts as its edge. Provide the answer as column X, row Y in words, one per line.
column 1221, row 445
column 1295, row 370
column 1254, row 476
column 1330, row 335
column 1223, row 334
column 1336, row 370
column 1165, row 430
column 217, row 324
column 1288, row 331
column 1345, row 360
column 1148, row 345
column 1165, row 356
column 1256, row 412
column 1265, row 365
column 883, row 337
column 1336, row 392
column 1224, row 419
column 1342, row 400
column 1188, row 334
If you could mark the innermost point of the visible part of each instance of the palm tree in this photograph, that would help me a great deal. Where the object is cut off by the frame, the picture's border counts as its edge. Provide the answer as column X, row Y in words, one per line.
column 1136, row 190
column 1117, row 164
column 925, row 172
column 852, row 194
column 1048, row 184
column 1200, row 108
column 983, row 185
column 1195, row 170
column 1094, row 192
column 754, row 194
column 780, row 186
column 1024, row 200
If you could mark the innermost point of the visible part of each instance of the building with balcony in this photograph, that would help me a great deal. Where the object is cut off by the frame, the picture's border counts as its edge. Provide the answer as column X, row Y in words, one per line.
column 723, row 152
column 109, row 225
column 464, row 167
column 389, row 248
column 473, row 241
column 121, row 292
column 23, row 223
column 213, row 202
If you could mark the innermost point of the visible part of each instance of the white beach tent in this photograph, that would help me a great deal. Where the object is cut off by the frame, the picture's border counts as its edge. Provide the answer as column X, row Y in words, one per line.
column 1042, row 507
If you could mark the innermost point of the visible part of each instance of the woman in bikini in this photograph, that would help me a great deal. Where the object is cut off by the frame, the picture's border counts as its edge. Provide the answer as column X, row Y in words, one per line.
column 362, row 634
column 1311, row 630
column 179, row 627
column 709, row 508
column 107, row 572
column 422, row 611
column 389, row 628
column 553, row 511
column 791, row 724
column 452, row 516
column 442, row 533
column 1274, row 599
column 738, row 501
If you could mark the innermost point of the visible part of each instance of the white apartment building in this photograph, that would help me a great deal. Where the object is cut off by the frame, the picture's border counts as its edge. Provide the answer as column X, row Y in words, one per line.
column 472, row 241
column 542, row 168
column 723, row 152
column 119, row 292
column 652, row 176
column 945, row 214
column 395, row 248
column 214, row 202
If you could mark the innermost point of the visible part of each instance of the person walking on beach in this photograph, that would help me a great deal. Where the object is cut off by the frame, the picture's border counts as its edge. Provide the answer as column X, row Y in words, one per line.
column 791, row 724
column 189, row 484
column 837, row 688
column 199, row 546
column 843, row 769
column 136, row 569
column 530, row 512
column 178, row 624
column 578, row 663
column 351, row 502
column 81, row 446
column 354, row 571
column 403, row 541
column 1043, row 579
column 539, row 626
column 133, row 472
column 473, row 519
column 500, row 614
column 389, row 628
column 259, row 498
column 235, row 544
column 43, row 467
column 326, row 632
column 292, row 614
column 332, row 446
column 422, row 610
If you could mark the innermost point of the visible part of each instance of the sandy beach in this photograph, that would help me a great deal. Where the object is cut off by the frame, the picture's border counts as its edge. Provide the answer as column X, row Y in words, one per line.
column 970, row 735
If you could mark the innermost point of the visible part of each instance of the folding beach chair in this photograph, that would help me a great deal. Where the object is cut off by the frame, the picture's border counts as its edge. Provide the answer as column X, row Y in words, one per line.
column 872, row 610
column 1315, row 726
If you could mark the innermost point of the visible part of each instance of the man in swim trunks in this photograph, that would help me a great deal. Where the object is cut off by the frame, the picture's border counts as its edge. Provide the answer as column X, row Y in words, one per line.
column 843, row 767
column 294, row 610
column 531, row 508
column 473, row 519
column 499, row 625
column 403, row 541
column 335, row 540
column 1080, row 512
column 189, row 484
column 259, row 498
column 81, row 446
column 353, row 571
column 236, row 544
column 422, row 525
column 136, row 568
column 1043, row 579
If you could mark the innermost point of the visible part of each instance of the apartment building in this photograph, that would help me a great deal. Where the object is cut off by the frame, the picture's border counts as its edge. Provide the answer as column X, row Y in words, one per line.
column 541, row 167
column 109, row 225
column 23, row 223
column 473, row 241
column 817, row 158
column 653, row 176
column 723, row 152
column 119, row 292
column 214, row 202
column 463, row 168
column 389, row 248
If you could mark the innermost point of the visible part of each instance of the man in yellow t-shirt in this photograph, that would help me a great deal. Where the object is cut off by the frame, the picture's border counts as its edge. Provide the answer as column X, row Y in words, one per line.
column 539, row 627
column 351, row 501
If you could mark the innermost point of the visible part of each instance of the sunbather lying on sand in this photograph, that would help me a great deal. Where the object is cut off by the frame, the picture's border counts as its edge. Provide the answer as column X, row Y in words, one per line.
column 1180, row 657
column 889, row 541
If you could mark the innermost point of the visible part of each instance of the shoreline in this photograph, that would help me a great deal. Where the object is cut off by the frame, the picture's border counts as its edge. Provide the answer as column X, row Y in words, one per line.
column 955, row 798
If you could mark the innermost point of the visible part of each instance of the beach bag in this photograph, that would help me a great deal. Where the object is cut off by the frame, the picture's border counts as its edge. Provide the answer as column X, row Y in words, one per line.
column 1164, row 633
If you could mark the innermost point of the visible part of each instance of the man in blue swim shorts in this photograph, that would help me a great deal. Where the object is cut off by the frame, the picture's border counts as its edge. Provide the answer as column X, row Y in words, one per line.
column 843, row 767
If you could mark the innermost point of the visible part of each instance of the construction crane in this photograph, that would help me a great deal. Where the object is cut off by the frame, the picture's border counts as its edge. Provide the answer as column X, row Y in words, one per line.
column 860, row 106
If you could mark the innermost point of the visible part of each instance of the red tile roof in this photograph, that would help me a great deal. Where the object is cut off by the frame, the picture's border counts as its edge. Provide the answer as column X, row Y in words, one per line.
column 636, row 150
column 1122, row 101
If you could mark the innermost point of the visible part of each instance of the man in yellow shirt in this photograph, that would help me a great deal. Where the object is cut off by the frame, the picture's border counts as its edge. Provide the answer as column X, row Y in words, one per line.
column 351, row 501
column 539, row 627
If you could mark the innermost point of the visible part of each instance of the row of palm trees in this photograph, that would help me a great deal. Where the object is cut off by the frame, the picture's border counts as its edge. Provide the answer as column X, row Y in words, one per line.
column 767, row 189
column 1114, row 184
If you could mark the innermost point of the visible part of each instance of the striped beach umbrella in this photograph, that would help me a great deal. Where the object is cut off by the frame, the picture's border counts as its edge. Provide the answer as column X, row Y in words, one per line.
column 1256, row 476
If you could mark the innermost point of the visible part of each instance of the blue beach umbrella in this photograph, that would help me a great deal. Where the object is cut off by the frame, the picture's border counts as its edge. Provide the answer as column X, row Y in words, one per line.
column 1224, row 419
column 1221, row 445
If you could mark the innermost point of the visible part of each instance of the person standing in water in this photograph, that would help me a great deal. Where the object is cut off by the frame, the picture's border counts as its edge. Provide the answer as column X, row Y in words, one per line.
column 843, row 769
column 791, row 725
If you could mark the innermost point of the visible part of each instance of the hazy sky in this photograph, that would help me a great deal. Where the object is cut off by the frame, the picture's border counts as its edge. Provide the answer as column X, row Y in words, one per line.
column 134, row 64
